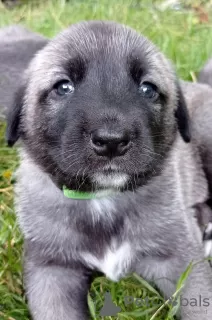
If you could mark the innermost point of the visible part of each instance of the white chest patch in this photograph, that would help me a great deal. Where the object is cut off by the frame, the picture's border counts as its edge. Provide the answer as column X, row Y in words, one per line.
column 115, row 263
column 102, row 208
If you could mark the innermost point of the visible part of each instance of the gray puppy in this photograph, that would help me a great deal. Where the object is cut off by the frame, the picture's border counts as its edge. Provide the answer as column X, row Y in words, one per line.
column 203, row 92
column 205, row 75
column 198, row 98
column 17, row 47
column 108, row 180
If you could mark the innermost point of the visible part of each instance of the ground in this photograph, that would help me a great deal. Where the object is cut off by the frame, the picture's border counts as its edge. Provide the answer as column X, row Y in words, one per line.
column 184, row 34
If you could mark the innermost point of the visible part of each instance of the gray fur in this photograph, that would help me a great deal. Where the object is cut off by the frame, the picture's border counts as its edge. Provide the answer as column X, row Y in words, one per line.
column 17, row 47
column 199, row 99
column 205, row 75
column 151, row 229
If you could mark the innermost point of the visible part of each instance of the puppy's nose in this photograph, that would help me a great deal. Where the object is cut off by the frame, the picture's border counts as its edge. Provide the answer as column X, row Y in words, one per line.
column 110, row 143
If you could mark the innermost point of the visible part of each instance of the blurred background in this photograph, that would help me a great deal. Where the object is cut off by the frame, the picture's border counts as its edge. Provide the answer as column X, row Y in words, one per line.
column 183, row 31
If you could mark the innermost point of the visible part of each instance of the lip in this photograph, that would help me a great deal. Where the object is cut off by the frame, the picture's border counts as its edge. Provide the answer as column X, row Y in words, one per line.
column 110, row 168
column 110, row 179
column 109, row 171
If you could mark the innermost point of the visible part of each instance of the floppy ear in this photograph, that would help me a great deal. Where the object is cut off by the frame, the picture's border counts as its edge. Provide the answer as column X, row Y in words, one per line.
column 13, row 131
column 182, row 115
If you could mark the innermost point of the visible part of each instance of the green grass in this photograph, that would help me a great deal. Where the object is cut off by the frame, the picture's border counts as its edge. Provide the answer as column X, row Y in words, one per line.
column 187, row 40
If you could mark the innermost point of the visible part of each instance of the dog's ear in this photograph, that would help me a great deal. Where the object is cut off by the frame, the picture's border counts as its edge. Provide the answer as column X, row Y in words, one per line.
column 13, row 130
column 182, row 115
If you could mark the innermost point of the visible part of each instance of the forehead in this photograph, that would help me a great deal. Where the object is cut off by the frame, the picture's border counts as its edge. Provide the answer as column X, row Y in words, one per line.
column 106, row 46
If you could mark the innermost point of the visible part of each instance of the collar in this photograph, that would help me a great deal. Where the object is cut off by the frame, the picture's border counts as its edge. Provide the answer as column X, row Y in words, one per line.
column 82, row 195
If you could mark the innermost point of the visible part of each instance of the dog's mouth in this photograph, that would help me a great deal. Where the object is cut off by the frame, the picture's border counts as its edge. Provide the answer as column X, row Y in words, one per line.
column 106, row 177
column 110, row 177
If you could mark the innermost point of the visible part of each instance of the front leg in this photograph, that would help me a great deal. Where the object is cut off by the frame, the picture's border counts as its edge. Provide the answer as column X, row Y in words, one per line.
column 55, row 292
column 196, row 295
column 196, row 299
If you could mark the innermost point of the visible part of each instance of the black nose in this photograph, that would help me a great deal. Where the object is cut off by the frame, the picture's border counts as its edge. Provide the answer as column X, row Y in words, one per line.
column 110, row 143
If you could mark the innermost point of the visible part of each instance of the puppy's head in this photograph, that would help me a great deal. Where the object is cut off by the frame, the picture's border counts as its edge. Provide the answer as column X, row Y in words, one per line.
column 100, row 108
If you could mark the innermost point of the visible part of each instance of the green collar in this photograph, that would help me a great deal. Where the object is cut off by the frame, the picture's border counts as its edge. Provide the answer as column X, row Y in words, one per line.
column 81, row 195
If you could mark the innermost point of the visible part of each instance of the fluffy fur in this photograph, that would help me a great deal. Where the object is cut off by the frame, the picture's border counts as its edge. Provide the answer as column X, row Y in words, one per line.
column 205, row 75
column 149, row 224
column 17, row 47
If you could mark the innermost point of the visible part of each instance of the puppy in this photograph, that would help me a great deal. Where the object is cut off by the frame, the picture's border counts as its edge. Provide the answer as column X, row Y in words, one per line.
column 108, row 180
column 203, row 92
column 196, row 95
column 205, row 75
column 17, row 47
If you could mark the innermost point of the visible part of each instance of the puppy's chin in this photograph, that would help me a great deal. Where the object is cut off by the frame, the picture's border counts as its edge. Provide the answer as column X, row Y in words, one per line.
column 110, row 180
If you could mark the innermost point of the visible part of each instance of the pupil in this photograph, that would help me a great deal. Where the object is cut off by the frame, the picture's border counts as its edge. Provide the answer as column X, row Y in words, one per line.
column 148, row 91
column 65, row 87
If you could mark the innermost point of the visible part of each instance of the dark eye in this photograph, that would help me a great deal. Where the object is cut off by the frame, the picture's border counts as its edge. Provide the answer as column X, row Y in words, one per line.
column 64, row 87
column 148, row 91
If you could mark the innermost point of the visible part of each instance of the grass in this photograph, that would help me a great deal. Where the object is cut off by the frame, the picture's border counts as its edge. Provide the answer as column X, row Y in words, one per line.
column 185, row 36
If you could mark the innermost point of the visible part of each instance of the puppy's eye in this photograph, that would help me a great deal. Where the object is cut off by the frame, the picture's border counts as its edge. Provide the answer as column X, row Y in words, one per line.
column 63, row 88
column 149, row 91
